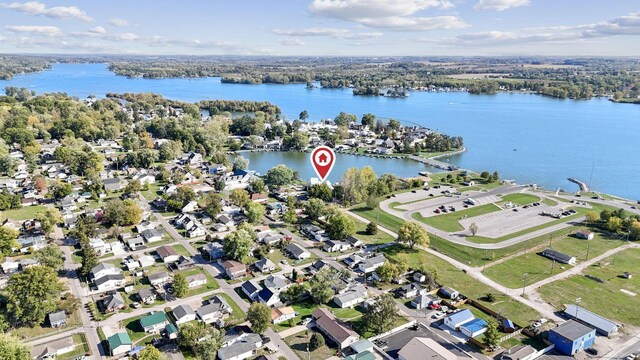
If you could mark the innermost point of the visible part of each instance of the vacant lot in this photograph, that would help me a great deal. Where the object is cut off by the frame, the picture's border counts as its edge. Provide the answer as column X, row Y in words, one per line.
column 299, row 342
column 450, row 221
column 447, row 275
column 605, row 299
column 24, row 213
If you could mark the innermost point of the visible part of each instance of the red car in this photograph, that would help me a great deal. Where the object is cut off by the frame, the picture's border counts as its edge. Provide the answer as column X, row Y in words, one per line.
column 434, row 306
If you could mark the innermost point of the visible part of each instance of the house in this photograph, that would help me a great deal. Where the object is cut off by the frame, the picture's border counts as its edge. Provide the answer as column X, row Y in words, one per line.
column 158, row 278
column 147, row 295
column 424, row 300
column 146, row 225
column 225, row 220
column 154, row 322
column 362, row 346
column 241, row 349
column 602, row 325
column 104, row 269
column 234, row 269
column 412, row 290
column 473, row 328
column 351, row 297
column 197, row 280
column 251, row 288
column 190, row 207
column 371, row 264
column 109, row 282
column 259, row 198
column 455, row 320
column 135, row 242
column 268, row 297
column 585, row 234
column 448, row 293
column 119, row 343
column 114, row 302
column 112, row 184
column 297, row 252
column 265, row 265
column 365, row 355
column 332, row 328
column 559, row 257
column 220, row 304
column 208, row 314
column 53, row 349
column 196, row 231
column 184, row 263
column 571, row 337
column 276, row 283
column 183, row 314
column 146, row 261
column 417, row 276
column 282, row 314
column 519, row 352
column 353, row 260
column 152, row 235
column 57, row 319
column 168, row 254
column 9, row 267
column 214, row 250
column 420, row 348
column 335, row 246
column 314, row 232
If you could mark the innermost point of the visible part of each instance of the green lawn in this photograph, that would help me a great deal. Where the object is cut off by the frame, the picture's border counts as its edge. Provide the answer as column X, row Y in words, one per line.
column 211, row 284
column 39, row 331
column 238, row 315
column 134, row 329
column 450, row 276
column 549, row 202
column 449, row 222
column 605, row 299
column 537, row 267
column 389, row 221
column 380, row 238
column 521, row 199
column 181, row 250
column 298, row 343
column 360, row 327
column 23, row 213
column 152, row 192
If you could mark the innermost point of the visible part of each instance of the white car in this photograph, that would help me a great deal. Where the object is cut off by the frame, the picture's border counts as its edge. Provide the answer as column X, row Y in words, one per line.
column 438, row 315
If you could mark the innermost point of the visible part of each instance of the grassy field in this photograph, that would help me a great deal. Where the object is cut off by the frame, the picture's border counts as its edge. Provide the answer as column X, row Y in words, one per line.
column 380, row 238
column 605, row 299
column 211, row 284
column 305, row 308
column 181, row 250
column 521, row 199
column 537, row 267
column 39, row 331
column 449, row 222
column 380, row 217
column 298, row 343
column 450, row 276
column 23, row 213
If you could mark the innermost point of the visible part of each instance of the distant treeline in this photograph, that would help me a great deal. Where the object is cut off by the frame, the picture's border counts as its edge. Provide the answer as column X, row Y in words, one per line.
column 11, row 65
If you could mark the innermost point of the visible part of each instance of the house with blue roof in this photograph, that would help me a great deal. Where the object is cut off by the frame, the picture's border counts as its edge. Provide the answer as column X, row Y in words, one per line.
column 474, row 327
column 455, row 320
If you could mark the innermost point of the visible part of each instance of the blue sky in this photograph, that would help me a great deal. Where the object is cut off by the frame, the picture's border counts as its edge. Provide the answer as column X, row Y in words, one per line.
column 323, row 27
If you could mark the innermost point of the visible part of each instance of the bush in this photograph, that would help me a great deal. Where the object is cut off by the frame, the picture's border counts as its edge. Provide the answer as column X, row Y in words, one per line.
column 372, row 228
column 316, row 342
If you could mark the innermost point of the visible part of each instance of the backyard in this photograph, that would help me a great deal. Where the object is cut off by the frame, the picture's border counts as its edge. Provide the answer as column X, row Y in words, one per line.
column 23, row 213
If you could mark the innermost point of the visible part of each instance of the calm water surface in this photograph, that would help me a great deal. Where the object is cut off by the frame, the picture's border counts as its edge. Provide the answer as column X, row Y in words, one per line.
column 525, row 137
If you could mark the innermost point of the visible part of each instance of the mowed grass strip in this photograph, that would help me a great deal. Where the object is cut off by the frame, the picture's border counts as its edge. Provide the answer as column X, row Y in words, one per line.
column 521, row 199
column 380, row 237
column 605, row 299
column 449, row 222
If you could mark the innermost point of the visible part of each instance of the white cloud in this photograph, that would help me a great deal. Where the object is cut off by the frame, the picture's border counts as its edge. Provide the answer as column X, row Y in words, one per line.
column 98, row 30
column 58, row 12
column 127, row 37
column 395, row 15
column 291, row 42
column 500, row 5
column 312, row 32
column 119, row 22
column 36, row 30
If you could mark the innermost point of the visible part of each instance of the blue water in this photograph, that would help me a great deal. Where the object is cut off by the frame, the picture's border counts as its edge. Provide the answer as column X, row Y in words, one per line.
column 594, row 140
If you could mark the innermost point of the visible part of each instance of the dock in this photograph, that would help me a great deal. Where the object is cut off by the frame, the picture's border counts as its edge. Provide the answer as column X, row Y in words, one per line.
column 582, row 184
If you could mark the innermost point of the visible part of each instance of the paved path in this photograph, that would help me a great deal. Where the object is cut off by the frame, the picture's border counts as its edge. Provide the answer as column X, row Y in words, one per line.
column 54, row 337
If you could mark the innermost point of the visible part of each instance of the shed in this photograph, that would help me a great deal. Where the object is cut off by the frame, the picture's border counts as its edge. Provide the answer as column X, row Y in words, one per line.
column 449, row 293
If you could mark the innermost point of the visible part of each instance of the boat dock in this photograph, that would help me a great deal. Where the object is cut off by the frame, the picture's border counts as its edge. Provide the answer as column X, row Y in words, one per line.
column 434, row 163
column 582, row 184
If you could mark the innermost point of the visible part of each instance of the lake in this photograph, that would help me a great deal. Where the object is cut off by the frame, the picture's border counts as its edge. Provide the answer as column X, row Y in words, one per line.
column 526, row 137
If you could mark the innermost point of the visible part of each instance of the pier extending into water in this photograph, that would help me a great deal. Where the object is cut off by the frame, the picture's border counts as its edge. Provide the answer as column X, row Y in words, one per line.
column 583, row 185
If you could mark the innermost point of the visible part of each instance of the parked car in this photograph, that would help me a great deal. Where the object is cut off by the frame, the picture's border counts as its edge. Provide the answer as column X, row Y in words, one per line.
column 434, row 306
column 438, row 315
column 591, row 351
column 305, row 321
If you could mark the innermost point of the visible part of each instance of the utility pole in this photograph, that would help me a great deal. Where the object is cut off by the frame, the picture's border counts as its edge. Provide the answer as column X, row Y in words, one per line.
column 524, row 282
column 550, row 239
column 588, row 247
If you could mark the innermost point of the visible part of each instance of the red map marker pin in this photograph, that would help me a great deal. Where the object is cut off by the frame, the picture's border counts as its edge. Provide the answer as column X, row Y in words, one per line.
column 322, row 159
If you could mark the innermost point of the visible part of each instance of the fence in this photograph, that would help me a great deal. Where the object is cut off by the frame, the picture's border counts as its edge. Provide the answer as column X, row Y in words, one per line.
column 394, row 330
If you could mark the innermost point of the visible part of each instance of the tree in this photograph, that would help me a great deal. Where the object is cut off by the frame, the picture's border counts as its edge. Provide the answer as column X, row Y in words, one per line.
column 40, row 183
column 89, row 259
column 122, row 213
column 372, row 202
column 387, row 272
column 320, row 286
column 237, row 245
column 133, row 187
column 8, row 240
column 485, row 175
column 49, row 218
column 259, row 315
column 292, row 294
column 239, row 197
column 61, row 189
column 304, row 115
column 605, row 215
column 298, row 141
column 412, row 234
column 290, row 216
column 33, row 294
column 369, row 120
column 315, row 209
column 614, row 224
column 356, row 183
column 321, row 191
column 634, row 230
column 51, row 256
column 180, row 287
column 380, row 316
column 491, row 297
column 211, row 203
column 344, row 119
column 473, row 228
column 150, row 353
column 280, row 175
column 258, row 186
column 240, row 163
column 316, row 341
column 492, row 336
column 340, row 226
column 11, row 347
column 203, row 340
column 254, row 212
column 372, row 228
column 394, row 124
column 170, row 150
column 592, row 217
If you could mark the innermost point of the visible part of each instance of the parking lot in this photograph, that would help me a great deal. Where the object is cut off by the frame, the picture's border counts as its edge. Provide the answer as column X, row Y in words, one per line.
column 509, row 221
column 398, row 340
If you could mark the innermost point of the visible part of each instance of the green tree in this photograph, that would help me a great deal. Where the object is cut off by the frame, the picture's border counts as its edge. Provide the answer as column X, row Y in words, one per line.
column 240, row 163
column 340, row 226
column 320, row 286
column 634, row 230
column 51, row 256
column 258, row 186
column 614, row 224
column 388, row 271
column 369, row 120
column 61, row 189
column 412, row 234
column 316, row 341
column 298, row 141
column 372, row 202
column 372, row 228
column 315, row 209
column 254, row 212
column 259, row 315
column 180, row 287
column 280, row 175
column 492, row 335
column 8, row 240
column 292, row 294
column 237, row 245
column 394, row 124
column 592, row 217
column 89, row 259
column 211, row 203
column 605, row 215
column 380, row 316
column 150, row 353
column 473, row 228
column 133, row 187
column 304, row 115
column 321, row 191
column 290, row 216
column 344, row 119
column 122, row 213
column 32, row 294
column 202, row 339
column 49, row 218
column 12, row 348
column 239, row 197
